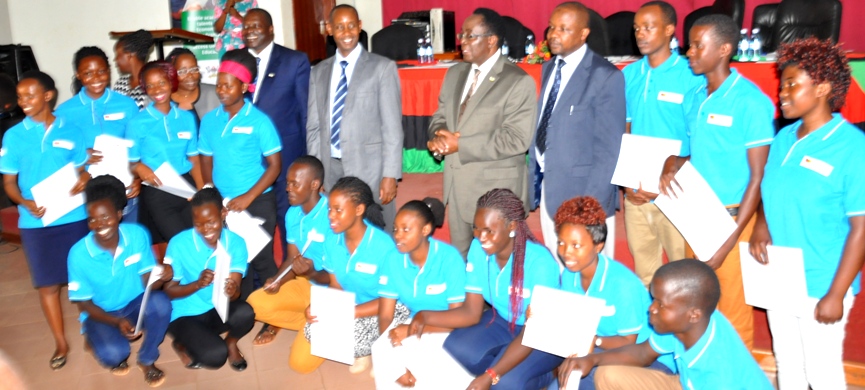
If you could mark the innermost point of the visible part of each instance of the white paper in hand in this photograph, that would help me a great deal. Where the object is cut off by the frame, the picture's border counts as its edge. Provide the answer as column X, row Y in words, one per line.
column 698, row 213
column 155, row 274
column 172, row 182
column 245, row 225
column 779, row 285
column 641, row 161
column 562, row 323
column 332, row 336
column 220, row 274
column 53, row 194
column 115, row 158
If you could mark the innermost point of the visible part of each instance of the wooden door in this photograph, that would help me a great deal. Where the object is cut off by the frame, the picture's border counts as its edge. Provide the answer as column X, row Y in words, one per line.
column 309, row 32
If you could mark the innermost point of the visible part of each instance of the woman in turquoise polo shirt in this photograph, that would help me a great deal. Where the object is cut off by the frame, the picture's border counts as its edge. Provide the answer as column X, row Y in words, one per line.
column 424, row 274
column 33, row 150
column 163, row 133
column 814, row 199
column 505, row 263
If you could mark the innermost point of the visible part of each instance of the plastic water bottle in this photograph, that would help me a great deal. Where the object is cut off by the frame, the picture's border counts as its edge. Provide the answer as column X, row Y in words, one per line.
column 756, row 45
column 505, row 50
column 674, row 46
column 530, row 44
column 428, row 51
column 744, row 46
column 421, row 57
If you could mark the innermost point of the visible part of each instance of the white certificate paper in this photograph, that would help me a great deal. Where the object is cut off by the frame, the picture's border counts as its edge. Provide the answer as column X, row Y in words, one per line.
column 562, row 323
column 697, row 212
column 248, row 227
column 220, row 274
column 172, row 182
column 332, row 336
column 155, row 274
column 641, row 161
column 780, row 284
column 115, row 158
column 53, row 194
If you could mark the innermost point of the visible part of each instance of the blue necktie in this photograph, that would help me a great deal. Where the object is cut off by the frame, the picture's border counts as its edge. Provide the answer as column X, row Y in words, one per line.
column 338, row 104
column 541, row 140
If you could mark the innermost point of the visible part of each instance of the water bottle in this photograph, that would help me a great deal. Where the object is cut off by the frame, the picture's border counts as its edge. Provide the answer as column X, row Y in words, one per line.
column 744, row 46
column 674, row 46
column 420, row 51
column 428, row 51
column 530, row 44
column 756, row 45
column 505, row 50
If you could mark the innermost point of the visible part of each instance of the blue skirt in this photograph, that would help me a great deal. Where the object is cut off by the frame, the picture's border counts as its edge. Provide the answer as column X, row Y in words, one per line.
column 46, row 250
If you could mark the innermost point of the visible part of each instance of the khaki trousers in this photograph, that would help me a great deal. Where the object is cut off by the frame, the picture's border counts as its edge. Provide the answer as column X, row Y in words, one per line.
column 650, row 234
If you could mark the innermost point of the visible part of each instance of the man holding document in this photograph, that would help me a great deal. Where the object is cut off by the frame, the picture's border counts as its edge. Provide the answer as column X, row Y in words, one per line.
column 730, row 125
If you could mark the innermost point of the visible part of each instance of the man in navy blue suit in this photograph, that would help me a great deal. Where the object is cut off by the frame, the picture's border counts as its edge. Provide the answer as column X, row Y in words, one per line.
column 282, row 91
column 581, row 119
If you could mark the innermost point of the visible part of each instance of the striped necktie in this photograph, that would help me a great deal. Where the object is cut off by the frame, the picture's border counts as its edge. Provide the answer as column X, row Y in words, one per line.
column 468, row 95
column 338, row 104
column 541, row 140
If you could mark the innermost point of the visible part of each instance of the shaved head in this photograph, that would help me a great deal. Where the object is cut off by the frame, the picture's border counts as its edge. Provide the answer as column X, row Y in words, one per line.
column 693, row 280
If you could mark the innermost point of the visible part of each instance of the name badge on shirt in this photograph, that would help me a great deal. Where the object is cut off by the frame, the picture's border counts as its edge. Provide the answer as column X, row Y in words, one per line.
column 670, row 97
column 60, row 143
column 816, row 165
column 720, row 120
column 184, row 135
column 242, row 130
column 132, row 260
column 114, row 117
column 470, row 267
column 526, row 293
column 435, row 289
column 365, row 268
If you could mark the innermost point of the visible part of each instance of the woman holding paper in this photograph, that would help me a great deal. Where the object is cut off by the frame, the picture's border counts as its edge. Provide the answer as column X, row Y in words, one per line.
column 164, row 137
column 505, row 263
column 425, row 274
column 582, row 231
column 353, row 256
column 97, row 110
column 208, row 262
column 814, row 199
column 30, row 154
column 109, row 270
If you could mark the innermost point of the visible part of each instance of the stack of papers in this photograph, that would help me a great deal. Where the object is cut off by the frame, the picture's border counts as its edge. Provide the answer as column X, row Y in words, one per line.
column 332, row 335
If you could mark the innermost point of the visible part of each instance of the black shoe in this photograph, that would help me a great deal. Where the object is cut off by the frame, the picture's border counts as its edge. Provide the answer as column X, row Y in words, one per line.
column 239, row 365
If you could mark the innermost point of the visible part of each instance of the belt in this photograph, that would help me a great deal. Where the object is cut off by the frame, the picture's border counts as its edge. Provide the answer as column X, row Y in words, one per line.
column 733, row 210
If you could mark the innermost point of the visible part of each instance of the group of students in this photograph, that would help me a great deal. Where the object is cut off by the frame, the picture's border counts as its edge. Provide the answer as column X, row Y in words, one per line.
column 420, row 306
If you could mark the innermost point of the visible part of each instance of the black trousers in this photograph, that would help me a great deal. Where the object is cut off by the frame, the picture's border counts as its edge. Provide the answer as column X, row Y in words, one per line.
column 163, row 213
column 262, row 265
column 200, row 334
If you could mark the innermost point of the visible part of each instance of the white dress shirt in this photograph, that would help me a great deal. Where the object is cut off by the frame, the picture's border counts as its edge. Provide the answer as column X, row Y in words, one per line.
column 262, row 68
column 572, row 61
column 485, row 70
column 334, row 82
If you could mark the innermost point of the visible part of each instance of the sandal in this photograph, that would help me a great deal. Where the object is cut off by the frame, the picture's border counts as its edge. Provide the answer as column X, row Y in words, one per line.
column 57, row 362
column 266, row 335
column 184, row 357
column 121, row 369
column 152, row 375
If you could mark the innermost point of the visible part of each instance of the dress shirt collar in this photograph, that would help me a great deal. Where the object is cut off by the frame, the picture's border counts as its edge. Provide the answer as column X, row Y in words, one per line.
column 351, row 58
column 265, row 53
column 486, row 66
column 573, row 59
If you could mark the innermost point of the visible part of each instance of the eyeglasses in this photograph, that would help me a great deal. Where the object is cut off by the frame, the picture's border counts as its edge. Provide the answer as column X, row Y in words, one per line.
column 471, row 37
column 183, row 72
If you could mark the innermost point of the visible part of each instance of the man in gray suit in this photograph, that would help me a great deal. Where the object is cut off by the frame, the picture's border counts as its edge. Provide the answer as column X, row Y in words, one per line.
column 354, row 123
column 483, row 125
column 580, row 124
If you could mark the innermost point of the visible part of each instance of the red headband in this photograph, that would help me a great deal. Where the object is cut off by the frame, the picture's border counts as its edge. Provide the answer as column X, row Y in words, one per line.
column 237, row 70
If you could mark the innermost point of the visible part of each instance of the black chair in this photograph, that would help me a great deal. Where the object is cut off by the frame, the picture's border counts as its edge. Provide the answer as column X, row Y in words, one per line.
column 732, row 8
column 599, row 39
column 330, row 46
column 516, row 36
column 797, row 19
column 620, row 26
column 397, row 42
column 764, row 18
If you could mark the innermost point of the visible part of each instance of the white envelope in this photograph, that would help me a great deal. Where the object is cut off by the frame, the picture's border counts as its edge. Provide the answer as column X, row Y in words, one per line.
column 780, row 284
column 332, row 335
column 53, row 194
column 562, row 323
column 641, row 161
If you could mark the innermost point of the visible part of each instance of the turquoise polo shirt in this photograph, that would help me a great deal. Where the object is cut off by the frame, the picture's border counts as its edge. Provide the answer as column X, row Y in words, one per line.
column 723, row 126
column 627, row 299
column 238, row 146
column 110, row 281
column 811, row 188
column 158, row 138
column 33, row 153
column 297, row 228
column 719, row 359
column 107, row 115
column 654, row 98
column 483, row 276
column 440, row 282
column 189, row 255
column 358, row 272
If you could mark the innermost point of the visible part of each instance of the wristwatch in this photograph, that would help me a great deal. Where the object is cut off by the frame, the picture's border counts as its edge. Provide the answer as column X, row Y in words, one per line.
column 492, row 374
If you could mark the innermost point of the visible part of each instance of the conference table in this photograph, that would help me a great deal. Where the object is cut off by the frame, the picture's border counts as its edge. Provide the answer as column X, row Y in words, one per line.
column 421, row 85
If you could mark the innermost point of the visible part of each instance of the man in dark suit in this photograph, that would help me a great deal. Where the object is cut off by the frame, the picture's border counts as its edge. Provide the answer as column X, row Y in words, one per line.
column 581, row 119
column 282, row 89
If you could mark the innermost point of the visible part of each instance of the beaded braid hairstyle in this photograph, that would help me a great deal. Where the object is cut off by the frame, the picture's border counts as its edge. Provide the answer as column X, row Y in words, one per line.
column 360, row 193
column 80, row 55
column 823, row 61
column 512, row 209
